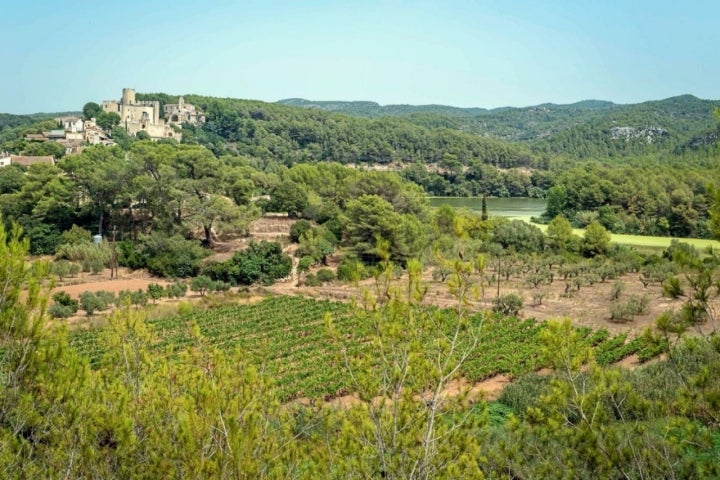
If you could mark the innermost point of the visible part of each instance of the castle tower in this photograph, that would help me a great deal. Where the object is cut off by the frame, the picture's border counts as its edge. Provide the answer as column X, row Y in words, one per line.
column 128, row 96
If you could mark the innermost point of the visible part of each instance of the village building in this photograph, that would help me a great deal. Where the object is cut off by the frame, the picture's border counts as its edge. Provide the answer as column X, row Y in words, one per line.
column 70, row 124
column 72, row 141
column 137, row 116
column 26, row 160
column 181, row 112
column 4, row 159
column 95, row 135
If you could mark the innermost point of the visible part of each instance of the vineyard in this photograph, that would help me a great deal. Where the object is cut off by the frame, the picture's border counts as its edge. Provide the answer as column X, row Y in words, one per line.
column 286, row 337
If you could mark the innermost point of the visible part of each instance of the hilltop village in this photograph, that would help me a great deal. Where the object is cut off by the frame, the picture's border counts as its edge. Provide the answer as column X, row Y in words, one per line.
column 142, row 119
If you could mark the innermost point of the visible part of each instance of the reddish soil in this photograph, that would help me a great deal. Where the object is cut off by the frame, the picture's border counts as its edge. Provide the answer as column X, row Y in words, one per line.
column 488, row 389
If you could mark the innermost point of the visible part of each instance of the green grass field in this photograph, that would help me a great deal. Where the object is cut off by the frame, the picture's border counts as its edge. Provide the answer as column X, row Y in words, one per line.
column 642, row 240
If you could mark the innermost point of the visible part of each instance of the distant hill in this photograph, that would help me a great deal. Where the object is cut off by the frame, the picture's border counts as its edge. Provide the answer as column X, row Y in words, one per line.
column 9, row 120
column 375, row 110
column 586, row 128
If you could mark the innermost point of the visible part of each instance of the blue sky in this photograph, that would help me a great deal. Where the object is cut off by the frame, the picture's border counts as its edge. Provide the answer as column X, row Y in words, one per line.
column 57, row 55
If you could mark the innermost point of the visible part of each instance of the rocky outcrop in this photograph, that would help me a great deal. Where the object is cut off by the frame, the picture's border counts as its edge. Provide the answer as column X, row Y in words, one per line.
column 649, row 134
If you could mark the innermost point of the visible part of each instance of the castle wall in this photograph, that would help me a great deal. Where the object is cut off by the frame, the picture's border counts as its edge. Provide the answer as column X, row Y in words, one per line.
column 140, row 116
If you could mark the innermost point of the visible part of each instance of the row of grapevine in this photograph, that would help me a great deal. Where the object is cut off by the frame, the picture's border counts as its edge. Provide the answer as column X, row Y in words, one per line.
column 285, row 336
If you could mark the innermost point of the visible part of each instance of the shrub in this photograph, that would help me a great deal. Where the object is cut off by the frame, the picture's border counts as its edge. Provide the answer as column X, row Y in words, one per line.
column 94, row 265
column 509, row 304
column 262, row 262
column 64, row 298
column 129, row 256
column 61, row 268
column 524, row 392
column 57, row 310
column 74, row 269
column 671, row 288
column 83, row 252
column 625, row 311
column 91, row 303
column 107, row 298
column 298, row 228
column 311, row 280
column 176, row 290
column 165, row 256
column 616, row 290
column 155, row 291
column 352, row 270
column 325, row 275
column 139, row 298
column 201, row 284
column 124, row 298
column 185, row 308
column 538, row 297
column 76, row 236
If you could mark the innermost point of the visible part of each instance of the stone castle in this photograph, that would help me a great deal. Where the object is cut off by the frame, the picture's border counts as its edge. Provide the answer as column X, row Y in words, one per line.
column 137, row 116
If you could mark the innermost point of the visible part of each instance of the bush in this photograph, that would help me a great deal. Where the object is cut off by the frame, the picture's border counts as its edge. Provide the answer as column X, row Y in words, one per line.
column 61, row 268
column 164, row 256
column 85, row 252
column 671, row 288
column 352, row 270
column 616, row 290
column 64, row 298
column 91, row 303
column 57, row 310
column 124, row 298
column 635, row 305
column 105, row 297
column 509, row 304
column 325, row 275
column 64, row 306
column 94, row 265
column 74, row 269
column 262, row 262
column 524, row 392
column 76, row 236
column 176, row 290
column 155, row 291
column 298, row 228
column 185, row 308
column 139, row 298
column 311, row 280
column 201, row 284
column 538, row 297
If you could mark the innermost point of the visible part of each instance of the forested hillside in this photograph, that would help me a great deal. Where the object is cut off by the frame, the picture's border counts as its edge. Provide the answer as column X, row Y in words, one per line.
column 291, row 135
column 583, row 129
column 640, row 168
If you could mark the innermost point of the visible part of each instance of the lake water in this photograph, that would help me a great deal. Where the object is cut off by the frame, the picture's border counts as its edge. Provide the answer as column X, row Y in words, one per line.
column 523, row 208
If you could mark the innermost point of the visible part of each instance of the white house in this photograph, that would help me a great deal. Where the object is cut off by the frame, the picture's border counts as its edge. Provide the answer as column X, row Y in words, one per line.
column 5, row 159
column 71, row 124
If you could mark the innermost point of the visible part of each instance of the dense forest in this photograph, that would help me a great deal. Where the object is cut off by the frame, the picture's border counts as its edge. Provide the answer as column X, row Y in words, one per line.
column 679, row 119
